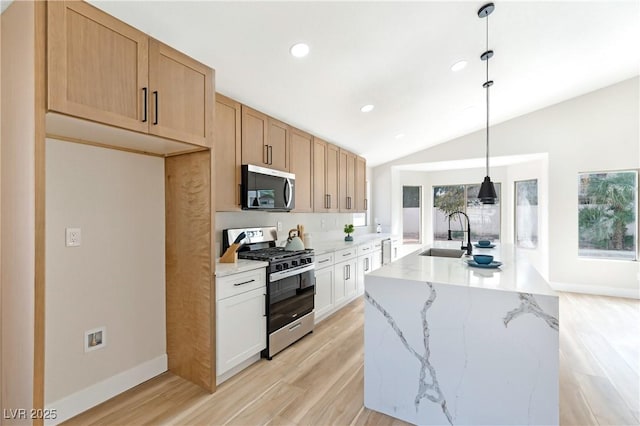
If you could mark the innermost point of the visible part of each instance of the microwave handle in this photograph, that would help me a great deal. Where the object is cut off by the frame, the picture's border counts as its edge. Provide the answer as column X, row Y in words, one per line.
column 288, row 192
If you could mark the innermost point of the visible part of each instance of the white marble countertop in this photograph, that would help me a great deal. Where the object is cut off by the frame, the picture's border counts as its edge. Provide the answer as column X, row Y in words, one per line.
column 516, row 273
column 242, row 265
column 327, row 246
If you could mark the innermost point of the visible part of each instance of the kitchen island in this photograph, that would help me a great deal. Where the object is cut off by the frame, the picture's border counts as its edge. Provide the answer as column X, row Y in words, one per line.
column 446, row 343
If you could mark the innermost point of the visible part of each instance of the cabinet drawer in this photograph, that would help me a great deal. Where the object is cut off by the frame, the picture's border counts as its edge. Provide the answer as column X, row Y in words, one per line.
column 346, row 254
column 324, row 260
column 232, row 285
column 364, row 249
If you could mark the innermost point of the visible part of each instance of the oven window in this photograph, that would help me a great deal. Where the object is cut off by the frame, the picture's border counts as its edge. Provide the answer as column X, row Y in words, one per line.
column 289, row 299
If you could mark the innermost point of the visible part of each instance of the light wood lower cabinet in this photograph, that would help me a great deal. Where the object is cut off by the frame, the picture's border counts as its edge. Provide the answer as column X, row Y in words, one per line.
column 228, row 154
column 240, row 318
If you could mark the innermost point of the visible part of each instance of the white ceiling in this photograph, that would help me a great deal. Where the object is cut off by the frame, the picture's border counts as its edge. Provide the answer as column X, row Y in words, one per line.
column 397, row 56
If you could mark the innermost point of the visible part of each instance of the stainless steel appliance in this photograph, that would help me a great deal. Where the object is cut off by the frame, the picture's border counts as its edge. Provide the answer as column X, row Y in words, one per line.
column 290, row 286
column 267, row 189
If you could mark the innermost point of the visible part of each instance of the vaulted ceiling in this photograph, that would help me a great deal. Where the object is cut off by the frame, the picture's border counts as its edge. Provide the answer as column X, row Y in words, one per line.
column 397, row 56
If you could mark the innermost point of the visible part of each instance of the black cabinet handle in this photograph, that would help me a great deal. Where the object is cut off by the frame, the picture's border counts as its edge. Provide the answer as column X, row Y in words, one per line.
column 145, row 103
column 366, row 204
column 329, row 200
column 243, row 283
column 265, row 154
column 155, row 97
column 324, row 260
column 270, row 154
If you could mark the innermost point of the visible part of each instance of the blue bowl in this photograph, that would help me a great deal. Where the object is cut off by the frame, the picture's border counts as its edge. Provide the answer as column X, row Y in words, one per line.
column 484, row 243
column 483, row 259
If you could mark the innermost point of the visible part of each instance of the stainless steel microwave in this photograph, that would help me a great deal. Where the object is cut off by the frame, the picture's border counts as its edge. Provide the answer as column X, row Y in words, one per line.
column 267, row 189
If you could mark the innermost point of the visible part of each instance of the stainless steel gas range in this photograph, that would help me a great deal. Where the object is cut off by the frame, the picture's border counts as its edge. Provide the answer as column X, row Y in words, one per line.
column 290, row 285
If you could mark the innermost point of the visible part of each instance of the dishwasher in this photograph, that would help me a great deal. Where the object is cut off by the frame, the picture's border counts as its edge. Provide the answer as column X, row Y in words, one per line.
column 386, row 251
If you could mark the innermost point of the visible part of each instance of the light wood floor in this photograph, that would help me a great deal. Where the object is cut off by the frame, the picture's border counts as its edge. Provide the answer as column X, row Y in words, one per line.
column 319, row 380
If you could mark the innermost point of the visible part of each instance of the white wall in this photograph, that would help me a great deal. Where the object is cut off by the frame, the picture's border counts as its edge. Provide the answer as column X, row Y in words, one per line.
column 596, row 131
column 116, row 278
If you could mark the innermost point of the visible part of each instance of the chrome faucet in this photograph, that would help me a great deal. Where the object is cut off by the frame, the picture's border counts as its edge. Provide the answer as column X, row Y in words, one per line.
column 468, row 247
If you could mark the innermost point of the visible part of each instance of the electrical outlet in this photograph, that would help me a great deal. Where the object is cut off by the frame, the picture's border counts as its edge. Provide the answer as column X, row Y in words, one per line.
column 95, row 339
column 73, row 237
column 279, row 226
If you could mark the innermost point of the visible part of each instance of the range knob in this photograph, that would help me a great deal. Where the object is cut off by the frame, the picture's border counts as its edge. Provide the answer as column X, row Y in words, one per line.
column 303, row 261
column 294, row 263
column 278, row 267
column 284, row 265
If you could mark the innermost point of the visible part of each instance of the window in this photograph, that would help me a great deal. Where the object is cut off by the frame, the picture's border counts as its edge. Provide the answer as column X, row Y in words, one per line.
column 485, row 218
column 411, row 214
column 607, row 215
column 526, row 211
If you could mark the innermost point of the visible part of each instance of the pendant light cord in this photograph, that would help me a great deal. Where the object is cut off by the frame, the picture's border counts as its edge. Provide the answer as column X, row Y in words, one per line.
column 487, row 84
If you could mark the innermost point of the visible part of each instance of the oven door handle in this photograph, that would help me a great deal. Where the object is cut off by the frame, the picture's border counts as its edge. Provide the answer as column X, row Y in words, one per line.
column 277, row 276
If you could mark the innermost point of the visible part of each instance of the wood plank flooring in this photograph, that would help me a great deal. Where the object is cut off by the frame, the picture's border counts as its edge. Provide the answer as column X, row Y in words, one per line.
column 319, row 380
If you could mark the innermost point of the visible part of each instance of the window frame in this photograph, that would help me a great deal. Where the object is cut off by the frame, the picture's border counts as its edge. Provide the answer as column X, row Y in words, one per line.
column 515, row 213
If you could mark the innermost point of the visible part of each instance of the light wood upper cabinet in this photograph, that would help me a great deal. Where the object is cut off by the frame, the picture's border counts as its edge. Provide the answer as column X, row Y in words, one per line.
column 302, row 165
column 255, row 128
column 180, row 91
column 361, row 202
column 265, row 141
column 278, row 145
column 103, row 70
column 228, row 153
column 325, row 176
column 331, row 173
column 97, row 66
column 347, row 177
column 319, row 175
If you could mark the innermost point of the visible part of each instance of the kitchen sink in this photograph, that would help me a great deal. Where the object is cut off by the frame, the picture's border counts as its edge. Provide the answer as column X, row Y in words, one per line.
column 440, row 252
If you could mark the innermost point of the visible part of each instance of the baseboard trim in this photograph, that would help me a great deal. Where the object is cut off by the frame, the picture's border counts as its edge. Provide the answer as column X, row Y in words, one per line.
column 93, row 395
column 629, row 293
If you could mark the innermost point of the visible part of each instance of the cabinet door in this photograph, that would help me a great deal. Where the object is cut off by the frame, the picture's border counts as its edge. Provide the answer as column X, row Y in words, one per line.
column 181, row 96
column 346, row 179
column 376, row 260
column 361, row 202
column 351, row 281
column 365, row 265
column 228, row 154
column 97, row 66
column 255, row 127
column 324, row 292
column 343, row 194
column 241, row 329
column 331, row 171
column 339, row 285
column 301, row 165
column 320, row 196
column 278, row 145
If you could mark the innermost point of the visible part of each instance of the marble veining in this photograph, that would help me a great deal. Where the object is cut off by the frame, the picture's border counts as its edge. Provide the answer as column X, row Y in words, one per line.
column 432, row 390
column 528, row 305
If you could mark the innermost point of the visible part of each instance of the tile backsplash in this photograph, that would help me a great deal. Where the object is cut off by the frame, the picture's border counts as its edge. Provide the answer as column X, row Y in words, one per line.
column 323, row 226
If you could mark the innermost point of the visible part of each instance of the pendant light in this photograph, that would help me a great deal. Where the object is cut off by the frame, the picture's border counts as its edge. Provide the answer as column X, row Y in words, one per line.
column 487, row 194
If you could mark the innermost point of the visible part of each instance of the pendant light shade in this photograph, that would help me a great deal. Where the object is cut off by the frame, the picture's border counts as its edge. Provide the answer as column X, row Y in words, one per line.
column 487, row 194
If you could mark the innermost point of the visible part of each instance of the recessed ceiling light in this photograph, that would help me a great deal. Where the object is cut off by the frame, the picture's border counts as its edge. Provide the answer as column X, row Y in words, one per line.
column 299, row 50
column 367, row 108
column 400, row 136
column 458, row 66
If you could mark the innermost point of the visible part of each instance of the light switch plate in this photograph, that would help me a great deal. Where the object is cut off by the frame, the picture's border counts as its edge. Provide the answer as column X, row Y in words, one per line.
column 73, row 237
